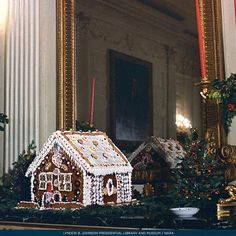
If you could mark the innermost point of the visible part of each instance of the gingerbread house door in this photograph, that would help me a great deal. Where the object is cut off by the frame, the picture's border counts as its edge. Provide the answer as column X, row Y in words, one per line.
column 110, row 189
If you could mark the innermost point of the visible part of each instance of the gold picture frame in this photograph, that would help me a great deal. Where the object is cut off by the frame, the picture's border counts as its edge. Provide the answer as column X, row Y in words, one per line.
column 211, row 16
column 66, row 85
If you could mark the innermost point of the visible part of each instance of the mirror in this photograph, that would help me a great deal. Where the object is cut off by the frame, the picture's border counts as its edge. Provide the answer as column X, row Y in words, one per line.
column 160, row 33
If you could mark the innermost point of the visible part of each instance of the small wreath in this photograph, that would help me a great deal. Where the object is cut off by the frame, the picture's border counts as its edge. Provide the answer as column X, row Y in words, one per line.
column 225, row 92
column 110, row 188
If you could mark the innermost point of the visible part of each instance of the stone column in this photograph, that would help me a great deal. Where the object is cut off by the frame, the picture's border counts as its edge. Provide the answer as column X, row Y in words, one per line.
column 21, row 78
column 3, row 21
column 30, row 75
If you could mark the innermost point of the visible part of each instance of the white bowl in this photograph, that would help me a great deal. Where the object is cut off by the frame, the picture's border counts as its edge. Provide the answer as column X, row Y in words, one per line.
column 185, row 212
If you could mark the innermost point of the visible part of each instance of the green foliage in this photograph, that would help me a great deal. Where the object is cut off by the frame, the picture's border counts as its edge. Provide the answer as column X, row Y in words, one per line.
column 225, row 92
column 199, row 178
column 3, row 120
column 91, row 215
column 15, row 186
column 84, row 126
column 186, row 139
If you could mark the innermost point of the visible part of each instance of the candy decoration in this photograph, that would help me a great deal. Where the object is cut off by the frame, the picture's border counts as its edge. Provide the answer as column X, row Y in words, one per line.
column 77, row 183
column 105, row 155
column 64, row 167
column 48, row 166
column 78, row 166
column 92, row 149
column 80, row 141
column 95, row 143
column 94, row 156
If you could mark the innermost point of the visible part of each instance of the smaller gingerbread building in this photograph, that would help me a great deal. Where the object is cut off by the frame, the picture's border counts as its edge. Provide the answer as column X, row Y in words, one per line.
column 75, row 169
column 152, row 162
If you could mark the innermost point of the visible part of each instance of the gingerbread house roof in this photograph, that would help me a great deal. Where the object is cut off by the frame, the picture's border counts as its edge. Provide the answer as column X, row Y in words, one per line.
column 169, row 149
column 91, row 151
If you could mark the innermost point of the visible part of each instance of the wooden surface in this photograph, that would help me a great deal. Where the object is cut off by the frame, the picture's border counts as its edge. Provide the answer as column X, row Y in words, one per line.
column 37, row 226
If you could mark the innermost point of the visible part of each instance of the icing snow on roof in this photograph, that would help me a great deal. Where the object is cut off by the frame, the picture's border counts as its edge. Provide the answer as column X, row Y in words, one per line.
column 97, row 149
column 91, row 151
column 169, row 149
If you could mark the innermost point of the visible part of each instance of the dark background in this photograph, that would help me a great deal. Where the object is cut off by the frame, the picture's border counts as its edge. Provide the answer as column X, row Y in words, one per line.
column 131, row 98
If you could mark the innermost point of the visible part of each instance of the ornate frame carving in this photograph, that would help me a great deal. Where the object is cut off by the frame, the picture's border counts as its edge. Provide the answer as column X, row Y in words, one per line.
column 228, row 154
column 213, row 39
column 66, row 86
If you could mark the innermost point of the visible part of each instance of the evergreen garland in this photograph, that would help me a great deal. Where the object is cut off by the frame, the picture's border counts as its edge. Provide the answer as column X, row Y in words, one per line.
column 15, row 186
column 3, row 120
column 197, row 181
column 84, row 126
column 225, row 92
column 90, row 215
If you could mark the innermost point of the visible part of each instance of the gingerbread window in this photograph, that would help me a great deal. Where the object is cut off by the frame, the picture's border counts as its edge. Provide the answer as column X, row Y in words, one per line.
column 44, row 179
column 64, row 181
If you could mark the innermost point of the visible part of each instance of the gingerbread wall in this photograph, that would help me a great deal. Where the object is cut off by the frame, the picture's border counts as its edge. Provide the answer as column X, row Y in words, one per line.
column 66, row 166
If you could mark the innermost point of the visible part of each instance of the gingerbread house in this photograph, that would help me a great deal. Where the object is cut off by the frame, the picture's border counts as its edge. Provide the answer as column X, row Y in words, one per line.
column 152, row 162
column 75, row 169
column 168, row 151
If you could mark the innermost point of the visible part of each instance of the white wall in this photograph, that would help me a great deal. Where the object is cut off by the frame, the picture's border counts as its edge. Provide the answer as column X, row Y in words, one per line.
column 229, row 36
column 135, row 31
column 47, row 69
column 30, row 76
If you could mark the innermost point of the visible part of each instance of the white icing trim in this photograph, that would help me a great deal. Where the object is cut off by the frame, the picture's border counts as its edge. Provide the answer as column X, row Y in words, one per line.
column 111, row 170
column 171, row 156
column 31, row 188
column 86, row 190
column 57, row 138
column 37, row 160
column 75, row 156
column 93, row 177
